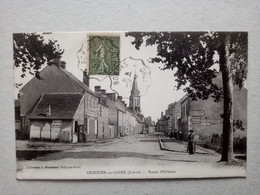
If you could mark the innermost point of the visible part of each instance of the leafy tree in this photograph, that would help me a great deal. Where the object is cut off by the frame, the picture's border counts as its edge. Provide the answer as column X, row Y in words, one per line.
column 192, row 55
column 31, row 51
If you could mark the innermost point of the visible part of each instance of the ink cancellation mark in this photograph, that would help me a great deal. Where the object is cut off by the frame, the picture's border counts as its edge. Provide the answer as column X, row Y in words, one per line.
column 132, row 70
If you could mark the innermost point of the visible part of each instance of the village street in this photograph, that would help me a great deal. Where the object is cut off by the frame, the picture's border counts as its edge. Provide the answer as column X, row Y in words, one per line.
column 130, row 147
column 130, row 151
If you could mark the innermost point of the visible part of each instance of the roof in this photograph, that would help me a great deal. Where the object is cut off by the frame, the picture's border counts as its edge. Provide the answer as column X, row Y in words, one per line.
column 76, row 80
column 148, row 122
column 62, row 106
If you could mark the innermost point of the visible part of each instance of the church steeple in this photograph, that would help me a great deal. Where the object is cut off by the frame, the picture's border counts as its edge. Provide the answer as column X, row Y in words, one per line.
column 134, row 103
column 135, row 90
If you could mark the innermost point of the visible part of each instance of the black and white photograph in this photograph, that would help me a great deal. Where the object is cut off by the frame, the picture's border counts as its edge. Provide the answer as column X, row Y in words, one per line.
column 130, row 105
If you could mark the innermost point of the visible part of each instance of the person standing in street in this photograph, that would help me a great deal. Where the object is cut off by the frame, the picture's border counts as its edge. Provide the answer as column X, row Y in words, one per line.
column 191, row 142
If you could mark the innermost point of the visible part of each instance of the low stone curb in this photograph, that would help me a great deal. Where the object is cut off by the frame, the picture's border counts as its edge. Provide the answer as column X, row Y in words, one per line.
column 162, row 147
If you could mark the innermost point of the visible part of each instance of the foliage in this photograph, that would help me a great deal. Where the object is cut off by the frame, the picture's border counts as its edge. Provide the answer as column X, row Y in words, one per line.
column 31, row 51
column 239, row 145
column 238, row 124
column 193, row 55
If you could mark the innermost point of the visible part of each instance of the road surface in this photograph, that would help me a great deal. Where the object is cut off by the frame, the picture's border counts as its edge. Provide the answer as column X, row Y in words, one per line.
column 137, row 153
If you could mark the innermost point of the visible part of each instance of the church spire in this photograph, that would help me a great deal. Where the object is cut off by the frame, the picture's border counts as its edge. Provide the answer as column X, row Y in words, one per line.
column 135, row 90
column 134, row 103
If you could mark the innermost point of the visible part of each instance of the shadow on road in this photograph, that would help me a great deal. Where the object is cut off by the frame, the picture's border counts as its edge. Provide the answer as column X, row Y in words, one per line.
column 56, row 155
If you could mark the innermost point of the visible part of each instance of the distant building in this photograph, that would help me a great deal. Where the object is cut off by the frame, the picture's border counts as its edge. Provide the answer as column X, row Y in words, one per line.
column 135, row 105
column 148, row 125
column 162, row 124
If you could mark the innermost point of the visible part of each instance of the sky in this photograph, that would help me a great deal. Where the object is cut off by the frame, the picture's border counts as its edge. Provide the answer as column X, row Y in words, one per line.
column 157, row 92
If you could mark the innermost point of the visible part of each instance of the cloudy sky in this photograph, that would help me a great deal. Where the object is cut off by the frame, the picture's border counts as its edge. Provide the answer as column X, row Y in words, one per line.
column 160, row 91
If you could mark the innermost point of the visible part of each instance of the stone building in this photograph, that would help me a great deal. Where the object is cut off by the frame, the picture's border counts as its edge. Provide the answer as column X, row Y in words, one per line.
column 55, row 79
column 57, row 116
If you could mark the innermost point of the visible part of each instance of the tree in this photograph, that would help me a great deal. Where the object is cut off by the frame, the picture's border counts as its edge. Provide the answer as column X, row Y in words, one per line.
column 192, row 55
column 31, row 51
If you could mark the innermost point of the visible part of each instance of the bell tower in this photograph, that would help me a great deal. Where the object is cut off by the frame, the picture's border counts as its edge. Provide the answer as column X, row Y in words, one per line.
column 134, row 102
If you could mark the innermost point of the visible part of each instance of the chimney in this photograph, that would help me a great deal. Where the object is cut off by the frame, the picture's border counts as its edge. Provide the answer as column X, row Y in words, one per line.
column 161, row 114
column 85, row 78
column 56, row 61
column 63, row 65
column 48, row 110
column 97, row 88
column 103, row 91
column 112, row 96
column 124, row 104
column 119, row 98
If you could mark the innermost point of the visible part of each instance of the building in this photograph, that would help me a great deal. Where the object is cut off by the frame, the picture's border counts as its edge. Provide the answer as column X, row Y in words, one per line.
column 55, row 79
column 135, row 106
column 149, row 126
column 58, row 117
column 204, row 116
column 170, row 116
column 162, row 124
column 104, row 132
column 112, row 115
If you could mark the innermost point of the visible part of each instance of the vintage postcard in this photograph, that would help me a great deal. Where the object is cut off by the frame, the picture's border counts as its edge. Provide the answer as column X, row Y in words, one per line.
column 130, row 105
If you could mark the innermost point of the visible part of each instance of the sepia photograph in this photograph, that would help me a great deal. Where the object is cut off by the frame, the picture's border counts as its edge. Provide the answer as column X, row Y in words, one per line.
column 130, row 105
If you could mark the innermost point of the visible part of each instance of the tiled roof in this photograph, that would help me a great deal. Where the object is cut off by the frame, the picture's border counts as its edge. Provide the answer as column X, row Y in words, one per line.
column 63, row 106
column 75, row 79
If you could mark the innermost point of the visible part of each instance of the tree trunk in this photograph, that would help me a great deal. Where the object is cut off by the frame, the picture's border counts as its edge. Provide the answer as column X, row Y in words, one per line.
column 227, row 141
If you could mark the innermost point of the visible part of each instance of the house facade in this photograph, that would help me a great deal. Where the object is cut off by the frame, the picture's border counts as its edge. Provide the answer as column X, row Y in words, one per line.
column 55, row 79
column 204, row 116
column 57, row 117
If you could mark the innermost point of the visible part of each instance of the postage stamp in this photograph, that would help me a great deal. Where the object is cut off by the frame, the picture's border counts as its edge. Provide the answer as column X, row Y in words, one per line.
column 103, row 54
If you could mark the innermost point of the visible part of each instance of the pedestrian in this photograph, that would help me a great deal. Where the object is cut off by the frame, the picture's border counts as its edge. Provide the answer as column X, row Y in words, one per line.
column 191, row 143
column 171, row 134
column 145, row 133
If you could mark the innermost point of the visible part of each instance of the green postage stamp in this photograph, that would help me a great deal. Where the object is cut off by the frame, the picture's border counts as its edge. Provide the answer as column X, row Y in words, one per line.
column 103, row 54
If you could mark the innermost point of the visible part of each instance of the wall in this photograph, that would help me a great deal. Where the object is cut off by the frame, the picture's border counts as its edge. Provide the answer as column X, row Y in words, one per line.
column 103, row 130
column 45, row 131
column 113, row 116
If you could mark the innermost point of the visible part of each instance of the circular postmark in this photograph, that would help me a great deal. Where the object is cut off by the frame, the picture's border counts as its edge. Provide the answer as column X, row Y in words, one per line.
column 131, row 69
